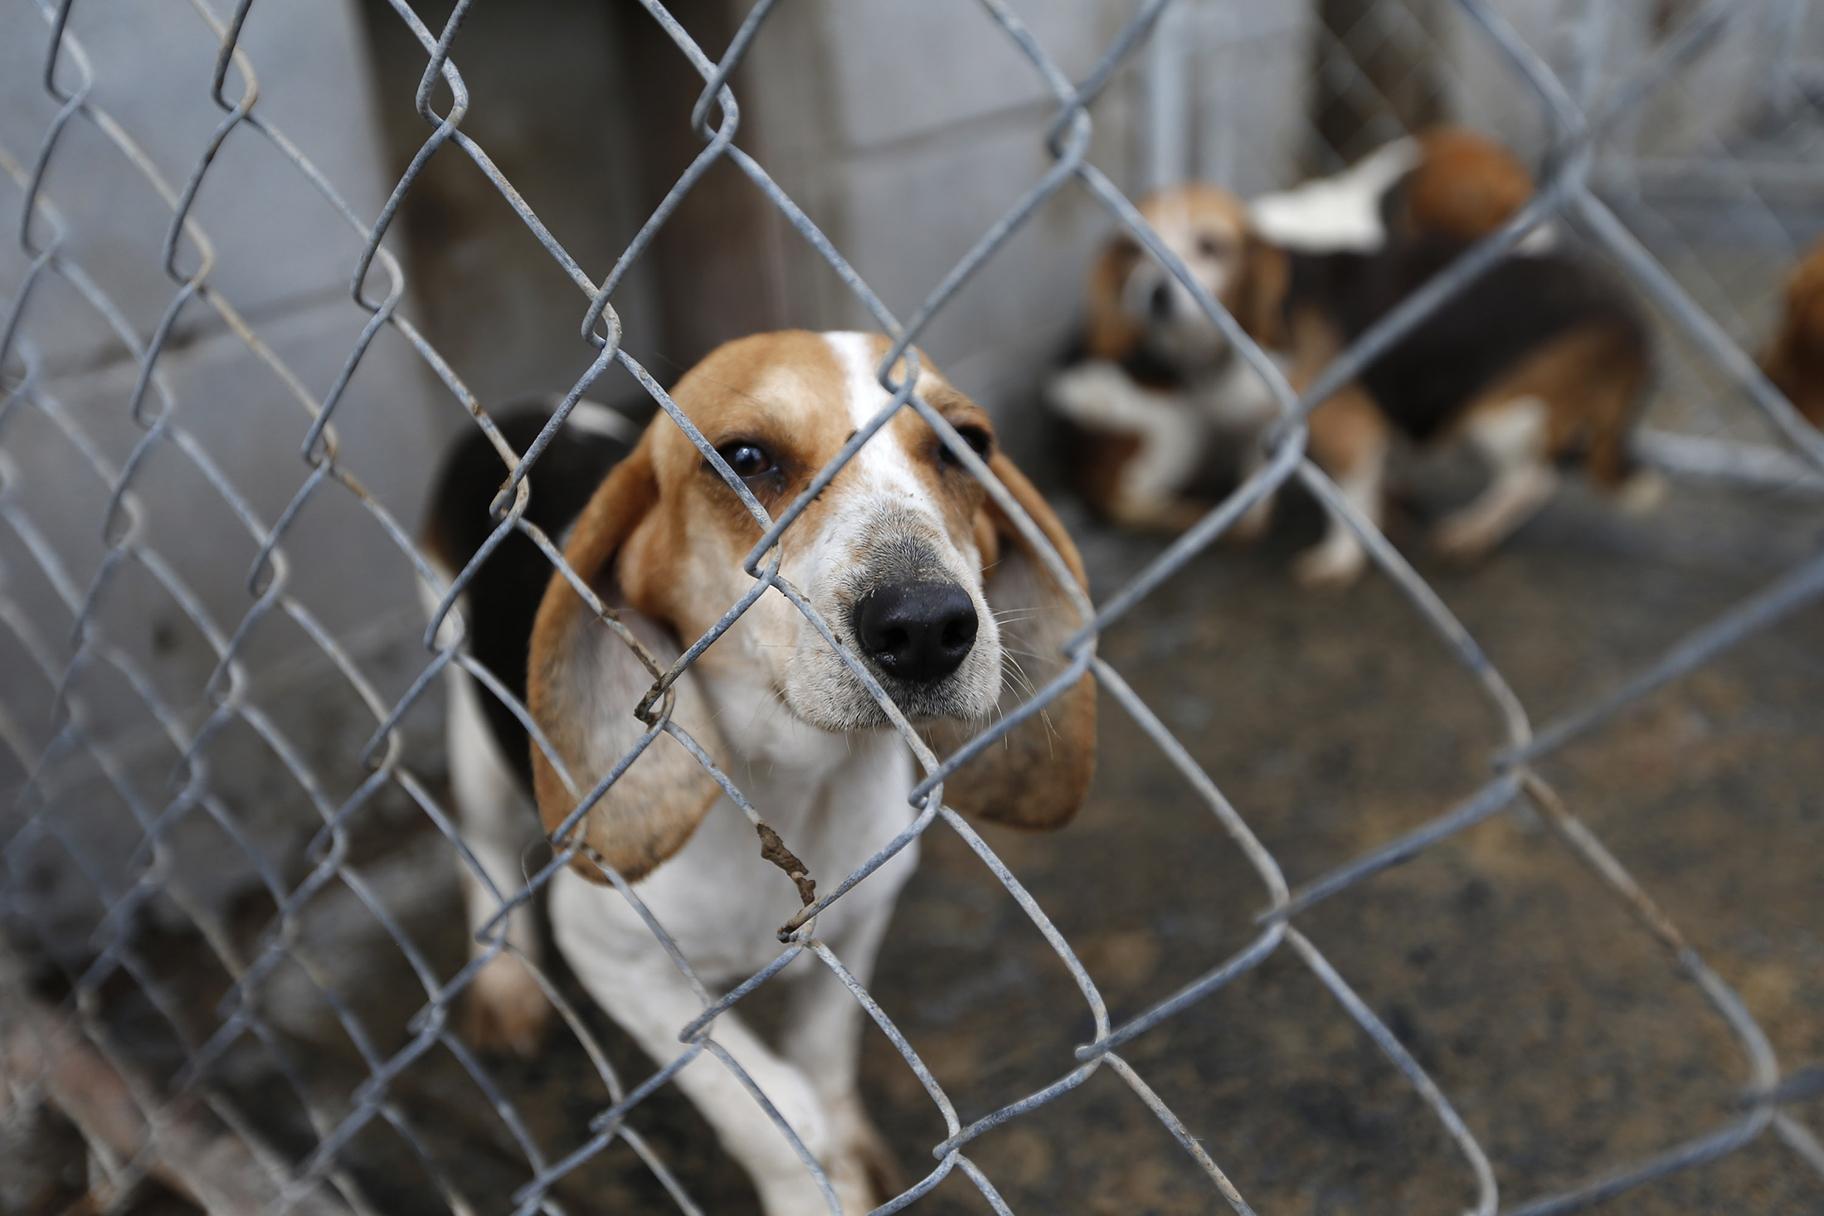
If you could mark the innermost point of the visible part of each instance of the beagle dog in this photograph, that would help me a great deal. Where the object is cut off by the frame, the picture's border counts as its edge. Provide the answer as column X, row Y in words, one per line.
column 920, row 577
column 1151, row 379
column 1794, row 361
column 1541, row 358
column 1151, row 393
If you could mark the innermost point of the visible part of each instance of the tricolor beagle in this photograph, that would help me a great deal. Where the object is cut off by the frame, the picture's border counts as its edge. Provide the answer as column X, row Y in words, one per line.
column 1541, row 357
column 1150, row 376
column 1152, row 392
column 918, row 574
column 1794, row 361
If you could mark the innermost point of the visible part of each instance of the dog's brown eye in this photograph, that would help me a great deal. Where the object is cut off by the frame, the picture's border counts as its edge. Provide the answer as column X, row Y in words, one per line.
column 1212, row 246
column 978, row 439
column 748, row 460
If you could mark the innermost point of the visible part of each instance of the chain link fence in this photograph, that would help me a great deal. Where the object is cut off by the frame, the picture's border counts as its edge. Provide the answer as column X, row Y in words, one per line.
column 109, row 1030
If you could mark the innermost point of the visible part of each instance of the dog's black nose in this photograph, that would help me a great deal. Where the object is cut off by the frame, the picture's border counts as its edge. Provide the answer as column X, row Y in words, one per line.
column 1160, row 301
column 919, row 632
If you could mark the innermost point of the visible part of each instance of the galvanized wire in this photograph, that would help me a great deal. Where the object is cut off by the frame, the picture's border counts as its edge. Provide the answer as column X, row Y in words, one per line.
column 377, row 288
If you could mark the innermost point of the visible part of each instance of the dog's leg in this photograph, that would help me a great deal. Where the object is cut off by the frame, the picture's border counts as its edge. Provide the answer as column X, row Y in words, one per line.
column 823, row 1037
column 1512, row 438
column 504, row 1009
column 1257, row 519
column 1349, row 440
column 1153, row 483
column 631, row 976
column 1167, row 439
column 1244, row 409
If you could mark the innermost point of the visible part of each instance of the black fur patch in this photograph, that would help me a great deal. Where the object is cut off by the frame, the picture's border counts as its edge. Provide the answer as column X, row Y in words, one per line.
column 502, row 600
column 1523, row 302
column 1144, row 366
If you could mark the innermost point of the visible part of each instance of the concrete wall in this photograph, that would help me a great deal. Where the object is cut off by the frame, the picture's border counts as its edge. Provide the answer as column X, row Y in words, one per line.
column 1249, row 69
column 1708, row 97
column 906, row 131
column 554, row 104
column 284, row 258
column 903, row 160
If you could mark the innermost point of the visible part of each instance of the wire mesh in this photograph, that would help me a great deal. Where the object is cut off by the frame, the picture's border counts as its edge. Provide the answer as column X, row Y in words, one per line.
column 86, row 678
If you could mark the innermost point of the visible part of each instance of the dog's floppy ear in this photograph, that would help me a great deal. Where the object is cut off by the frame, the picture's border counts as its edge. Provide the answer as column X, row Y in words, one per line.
column 1260, row 301
column 584, row 682
column 1804, row 318
column 1109, row 332
column 1036, row 775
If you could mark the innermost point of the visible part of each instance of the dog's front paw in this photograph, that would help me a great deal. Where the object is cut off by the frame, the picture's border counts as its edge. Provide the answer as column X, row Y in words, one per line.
column 1085, row 392
column 1252, row 524
column 505, row 1010
column 1330, row 564
column 1466, row 537
column 797, row 1194
column 1166, row 517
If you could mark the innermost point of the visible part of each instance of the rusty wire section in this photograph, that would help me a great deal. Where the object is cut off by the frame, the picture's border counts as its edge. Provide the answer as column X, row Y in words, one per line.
column 378, row 286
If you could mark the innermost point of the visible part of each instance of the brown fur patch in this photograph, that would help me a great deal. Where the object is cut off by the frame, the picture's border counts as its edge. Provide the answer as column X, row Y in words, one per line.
column 1347, row 428
column 1261, row 298
column 1794, row 361
column 1464, row 187
column 1099, row 461
column 959, row 495
column 1205, row 205
column 1036, row 775
column 1109, row 333
column 1591, row 380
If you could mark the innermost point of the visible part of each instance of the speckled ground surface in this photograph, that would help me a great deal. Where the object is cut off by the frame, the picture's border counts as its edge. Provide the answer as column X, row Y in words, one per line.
column 1334, row 723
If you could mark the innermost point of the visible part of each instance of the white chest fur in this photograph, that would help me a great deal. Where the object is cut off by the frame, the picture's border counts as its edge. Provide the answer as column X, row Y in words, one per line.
column 834, row 800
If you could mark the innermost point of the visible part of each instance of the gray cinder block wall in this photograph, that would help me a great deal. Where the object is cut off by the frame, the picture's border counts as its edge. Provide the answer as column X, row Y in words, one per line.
column 283, row 257
column 906, row 131
column 902, row 159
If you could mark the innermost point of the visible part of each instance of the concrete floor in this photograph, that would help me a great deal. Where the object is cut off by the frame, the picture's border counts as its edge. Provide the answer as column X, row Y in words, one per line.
column 1333, row 722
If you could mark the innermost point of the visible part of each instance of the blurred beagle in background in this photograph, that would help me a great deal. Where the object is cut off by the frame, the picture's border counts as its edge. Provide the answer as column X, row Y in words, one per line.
column 921, row 578
column 1150, row 375
column 1543, row 356
column 1794, row 361
column 1150, row 393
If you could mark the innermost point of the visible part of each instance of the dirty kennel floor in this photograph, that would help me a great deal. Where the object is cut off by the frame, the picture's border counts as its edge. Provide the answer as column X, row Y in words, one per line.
column 1333, row 722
